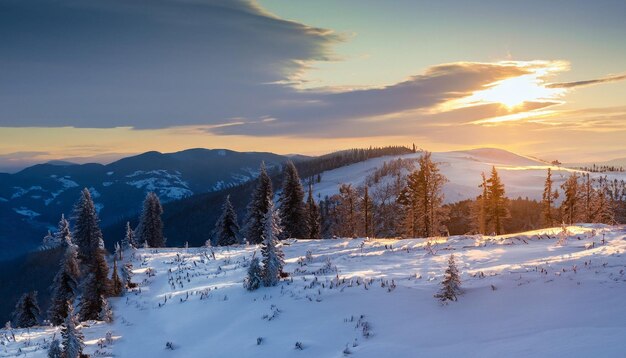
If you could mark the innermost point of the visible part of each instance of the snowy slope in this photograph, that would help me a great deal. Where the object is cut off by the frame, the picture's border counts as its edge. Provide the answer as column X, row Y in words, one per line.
column 525, row 295
column 522, row 176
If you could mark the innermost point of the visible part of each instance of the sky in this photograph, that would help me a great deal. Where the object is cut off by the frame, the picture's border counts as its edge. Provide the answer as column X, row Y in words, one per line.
column 88, row 80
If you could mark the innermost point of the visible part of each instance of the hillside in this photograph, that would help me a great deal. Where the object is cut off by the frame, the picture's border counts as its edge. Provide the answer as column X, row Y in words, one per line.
column 33, row 199
column 522, row 176
column 524, row 295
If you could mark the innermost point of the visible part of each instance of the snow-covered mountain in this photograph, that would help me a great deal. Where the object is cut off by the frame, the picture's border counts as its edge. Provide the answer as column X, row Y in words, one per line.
column 522, row 176
column 32, row 200
column 546, row 293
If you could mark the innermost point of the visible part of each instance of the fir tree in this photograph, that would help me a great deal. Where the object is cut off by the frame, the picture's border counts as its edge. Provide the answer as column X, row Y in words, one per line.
column 116, row 283
column 273, row 258
column 72, row 337
column 63, row 235
column 87, row 235
column 497, row 210
column 55, row 351
column 479, row 208
column 291, row 204
column 261, row 199
column 129, row 243
column 602, row 208
column 313, row 219
column 347, row 211
column 226, row 228
column 95, row 288
column 587, row 198
column 571, row 203
column 27, row 311
column 65, row 286
column 254, row 279
column 150, row 228
column 451, row 284
column 549, row 197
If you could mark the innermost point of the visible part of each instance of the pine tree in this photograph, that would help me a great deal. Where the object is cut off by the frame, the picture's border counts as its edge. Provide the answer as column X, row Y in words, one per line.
column 254, row 279
column 226, row 228
column 65, row 286
column 571, row 202
column 602, row 208
column 423, row 199
column 116, row 283
column 291, row 203
column 257, row 208
column 150, row 228
column 347, row 211
column 55, row 351
column 549, row 197
column 273, row 258
column 87, row 234
column 497, row 210
column 479, row 208
column 27, row 311
column 451, row 284
column 72, row 337
column 96, row 288
column 129, row 243
column 587, row 198
column 313, row 219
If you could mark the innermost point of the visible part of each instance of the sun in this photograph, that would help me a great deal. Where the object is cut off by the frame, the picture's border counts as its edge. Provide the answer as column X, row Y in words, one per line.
column 514, row 92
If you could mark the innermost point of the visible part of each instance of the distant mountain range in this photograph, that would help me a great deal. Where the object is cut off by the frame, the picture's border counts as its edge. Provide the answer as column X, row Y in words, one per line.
column 32, row 200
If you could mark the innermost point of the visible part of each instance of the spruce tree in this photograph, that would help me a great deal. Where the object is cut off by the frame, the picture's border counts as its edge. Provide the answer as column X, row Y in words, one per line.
column 602, row 208
column 27, row 311
column 479, row 208
column 116, row 283
column 254, row 279
column 313, row 219
column 65, row 286
column 226, row 228
column 72, row 337
column 587, row 198
column 55, row 351
column 257, row 208
column 96, row 288
column 367, row 209
column 87, row 235
column 497, row 210
column 150, row 228
column 451, row 284
column 549, row 197
column 63, row 235
column 129, row 243
column 571, row 202
column 291, row 203
column 273, row 258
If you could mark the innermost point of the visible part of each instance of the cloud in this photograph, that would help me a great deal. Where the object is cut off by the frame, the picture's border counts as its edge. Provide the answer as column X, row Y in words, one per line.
column 587, row 82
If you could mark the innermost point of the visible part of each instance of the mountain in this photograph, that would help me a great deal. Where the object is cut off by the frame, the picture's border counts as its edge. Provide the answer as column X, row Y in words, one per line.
column 561, row 294
column 32, row 200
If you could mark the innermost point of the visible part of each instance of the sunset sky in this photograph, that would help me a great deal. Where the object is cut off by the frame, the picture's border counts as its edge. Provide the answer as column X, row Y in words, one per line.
column 103, row 79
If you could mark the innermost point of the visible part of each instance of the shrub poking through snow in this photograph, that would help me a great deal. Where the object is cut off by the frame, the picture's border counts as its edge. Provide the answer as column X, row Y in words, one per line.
column 451, row 284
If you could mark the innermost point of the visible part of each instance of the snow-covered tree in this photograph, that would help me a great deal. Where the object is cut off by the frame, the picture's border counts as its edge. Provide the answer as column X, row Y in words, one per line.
column 116, row 283
column 254, row 278
column 65, row 286
column 549, row 196
column 313, row 219
column 96, row 288
column 451, row 284
column 27, row 311
column 273, row 258
column 257, row 208
column 63, row 234
column 602, row 208
column 55, row 351
column 73, row 340
column 150, row 228
column 49, row 241
column 226, row 228
column 366, row 207
column 87, row 234
column 129, row 243
column 291, row 203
